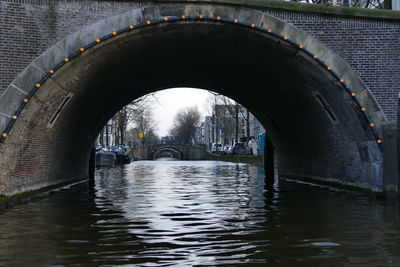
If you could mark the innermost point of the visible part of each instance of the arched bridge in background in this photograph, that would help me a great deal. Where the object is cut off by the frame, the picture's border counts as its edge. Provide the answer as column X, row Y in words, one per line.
column 178, row 151
column 323, row 81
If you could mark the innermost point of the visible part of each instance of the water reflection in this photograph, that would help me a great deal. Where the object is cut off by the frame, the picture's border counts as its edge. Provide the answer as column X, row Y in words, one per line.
column 185, row 213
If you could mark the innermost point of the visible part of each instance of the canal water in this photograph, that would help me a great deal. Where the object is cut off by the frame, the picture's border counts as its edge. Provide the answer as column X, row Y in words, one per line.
column 198, row 213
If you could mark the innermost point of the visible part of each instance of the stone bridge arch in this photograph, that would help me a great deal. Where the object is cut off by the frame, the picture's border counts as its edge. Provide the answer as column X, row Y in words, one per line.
column 323, row 120
column 181, row 151
column 161, row 149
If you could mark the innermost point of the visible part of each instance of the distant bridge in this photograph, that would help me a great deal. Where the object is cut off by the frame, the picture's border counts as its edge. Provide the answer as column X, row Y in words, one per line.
column 179, row 151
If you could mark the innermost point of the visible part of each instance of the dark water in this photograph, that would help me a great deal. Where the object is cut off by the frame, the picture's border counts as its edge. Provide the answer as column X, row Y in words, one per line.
column 174, row 213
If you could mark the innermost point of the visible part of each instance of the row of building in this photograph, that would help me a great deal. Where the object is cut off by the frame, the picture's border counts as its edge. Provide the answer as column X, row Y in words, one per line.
column 228, row 125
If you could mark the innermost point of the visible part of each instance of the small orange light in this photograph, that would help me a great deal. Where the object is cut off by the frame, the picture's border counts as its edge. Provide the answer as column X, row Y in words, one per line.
column 165, row 19
column 341, row 80
column 98, row 40
column 315, row 57
column 114, row 33
column 285, row 38
column 329, row 68
column 252, row 25
column 81, row 49
column 235, row 21
column 218, row 18
column 148, row 22
column 301, row 46
column 183, row 17
column 269, row 30
column 379, row 141
column 37, row 85
column 51, row 71
column 371, row 124
column 131, row 27
column 4, row 135
column 26, row 100
column 353, row 94
column 14, row 117
column 363, row 109
column 201, row 16
column 66, row 59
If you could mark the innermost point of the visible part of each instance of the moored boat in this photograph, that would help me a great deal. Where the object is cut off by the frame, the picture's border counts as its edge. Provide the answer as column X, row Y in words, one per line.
column 105, row 158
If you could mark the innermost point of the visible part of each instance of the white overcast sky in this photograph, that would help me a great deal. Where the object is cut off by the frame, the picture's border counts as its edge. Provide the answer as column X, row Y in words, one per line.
column 170, row 101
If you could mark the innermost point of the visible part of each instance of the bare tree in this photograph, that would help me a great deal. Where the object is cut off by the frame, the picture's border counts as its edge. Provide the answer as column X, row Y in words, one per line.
column 129, row 114
column 185, row 123
column 234, row 109
column 145, row 125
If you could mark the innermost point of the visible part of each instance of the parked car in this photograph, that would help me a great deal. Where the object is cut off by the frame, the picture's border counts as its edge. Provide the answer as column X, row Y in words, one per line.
column 239, row 148
column 114, row 149
column 228, row 149
column 98, row 146
column 122, row 148
column 217, row 148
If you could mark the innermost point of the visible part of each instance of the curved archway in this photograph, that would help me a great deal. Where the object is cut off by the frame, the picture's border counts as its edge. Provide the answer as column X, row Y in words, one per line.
column 323, row 121
column 174, row 153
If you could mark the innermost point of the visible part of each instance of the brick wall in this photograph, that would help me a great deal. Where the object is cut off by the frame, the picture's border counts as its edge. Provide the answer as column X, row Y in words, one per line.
column 36, row 155
column 29, row 27
column 370, row 46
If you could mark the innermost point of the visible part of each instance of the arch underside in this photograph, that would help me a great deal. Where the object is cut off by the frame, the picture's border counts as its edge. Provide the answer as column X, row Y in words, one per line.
column 167, row 152
column 313, row 120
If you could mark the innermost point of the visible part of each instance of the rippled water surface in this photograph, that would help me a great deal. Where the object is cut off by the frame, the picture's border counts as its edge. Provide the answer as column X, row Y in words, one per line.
column 204, row 213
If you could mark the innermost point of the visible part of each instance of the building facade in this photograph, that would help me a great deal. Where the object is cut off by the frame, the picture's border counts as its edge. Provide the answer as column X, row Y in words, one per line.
column 228, row 125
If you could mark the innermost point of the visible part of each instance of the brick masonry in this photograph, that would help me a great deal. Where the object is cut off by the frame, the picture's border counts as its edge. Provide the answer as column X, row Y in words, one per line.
column 29, row 27
column 370, row 46
column 36, row 155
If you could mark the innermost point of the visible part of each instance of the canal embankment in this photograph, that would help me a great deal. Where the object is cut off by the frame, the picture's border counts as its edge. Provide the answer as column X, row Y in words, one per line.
column 250, row 159
column 334, row 183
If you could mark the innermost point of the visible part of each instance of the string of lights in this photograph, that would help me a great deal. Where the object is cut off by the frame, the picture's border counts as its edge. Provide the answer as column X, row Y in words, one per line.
column 217, row 19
